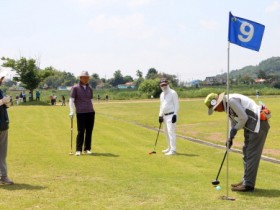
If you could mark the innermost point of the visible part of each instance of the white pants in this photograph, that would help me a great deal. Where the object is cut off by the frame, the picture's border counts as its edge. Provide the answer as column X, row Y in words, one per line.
column 170, row 132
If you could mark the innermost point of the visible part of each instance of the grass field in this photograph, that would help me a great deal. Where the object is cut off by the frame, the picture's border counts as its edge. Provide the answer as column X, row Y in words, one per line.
column 120, row 174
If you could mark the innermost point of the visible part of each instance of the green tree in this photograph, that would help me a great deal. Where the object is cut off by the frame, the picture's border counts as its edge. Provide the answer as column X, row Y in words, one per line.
column 94, row 80
column 262, row 74
column 48, row 71
column 95, row 76
column 54, row 78
column 27, row 70
column 140, row 78
column 152, row 73
column 127, row 79
column 118, row 79
column 139, row 74
column 150, row 87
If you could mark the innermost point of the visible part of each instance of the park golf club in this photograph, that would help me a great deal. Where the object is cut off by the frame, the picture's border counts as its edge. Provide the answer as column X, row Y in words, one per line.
column 71, row 139
column 154, row 151
column 216, row 181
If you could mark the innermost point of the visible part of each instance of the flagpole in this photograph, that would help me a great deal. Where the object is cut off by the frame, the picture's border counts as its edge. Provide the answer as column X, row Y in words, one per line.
column 227, row 132
column 228, row 49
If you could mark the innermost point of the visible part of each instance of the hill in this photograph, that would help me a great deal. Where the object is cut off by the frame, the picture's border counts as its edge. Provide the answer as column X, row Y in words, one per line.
column 267, row 70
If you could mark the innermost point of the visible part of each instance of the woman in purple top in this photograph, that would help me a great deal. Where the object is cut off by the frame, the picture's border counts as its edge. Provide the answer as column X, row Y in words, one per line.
column 81, row 98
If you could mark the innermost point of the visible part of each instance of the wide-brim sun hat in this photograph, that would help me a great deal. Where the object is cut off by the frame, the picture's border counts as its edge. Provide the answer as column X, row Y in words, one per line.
column 212, row 101
column 84, row 74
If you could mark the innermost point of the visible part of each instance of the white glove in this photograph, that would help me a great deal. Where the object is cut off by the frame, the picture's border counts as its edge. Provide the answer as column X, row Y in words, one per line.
column 5, row 100
column 71, row 106
column 71, row 115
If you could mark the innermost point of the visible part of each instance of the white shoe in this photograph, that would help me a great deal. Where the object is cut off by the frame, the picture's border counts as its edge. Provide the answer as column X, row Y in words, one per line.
column 78, row 153
column 170, row 153
column 88, row 152
column 166, row 150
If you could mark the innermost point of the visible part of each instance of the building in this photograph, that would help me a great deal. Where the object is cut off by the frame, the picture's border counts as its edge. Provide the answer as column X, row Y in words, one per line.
column 128, row 85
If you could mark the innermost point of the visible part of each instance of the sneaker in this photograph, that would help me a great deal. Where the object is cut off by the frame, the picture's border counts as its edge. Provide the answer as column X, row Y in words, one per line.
column 78, row 153
column 88, row 152
column 171, row 152
column 243, row 188
column 6, row 180
column 237, row 184
column 166, row 150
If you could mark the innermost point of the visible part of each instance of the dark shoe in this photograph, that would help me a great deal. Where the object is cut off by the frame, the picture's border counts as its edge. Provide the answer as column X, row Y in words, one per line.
column 237, row 184
column 5, row 180
column 243, row 188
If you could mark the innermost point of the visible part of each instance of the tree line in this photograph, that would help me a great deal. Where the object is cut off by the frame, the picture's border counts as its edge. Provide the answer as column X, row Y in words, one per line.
column 31, row 77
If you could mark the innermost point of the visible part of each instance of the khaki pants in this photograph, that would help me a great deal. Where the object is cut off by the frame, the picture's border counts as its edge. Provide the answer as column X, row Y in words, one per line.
column 252, row 151
column 3, row 152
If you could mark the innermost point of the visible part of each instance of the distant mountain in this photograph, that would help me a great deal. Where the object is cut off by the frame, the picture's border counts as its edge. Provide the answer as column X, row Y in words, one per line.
column 269, row 67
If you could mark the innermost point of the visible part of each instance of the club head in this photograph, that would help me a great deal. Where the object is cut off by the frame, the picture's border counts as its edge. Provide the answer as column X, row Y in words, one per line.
column 70, row 153
column 215, row 182
column 153, row 152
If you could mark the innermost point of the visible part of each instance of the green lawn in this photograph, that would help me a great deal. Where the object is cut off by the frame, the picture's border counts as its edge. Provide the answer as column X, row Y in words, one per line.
column 120, row 174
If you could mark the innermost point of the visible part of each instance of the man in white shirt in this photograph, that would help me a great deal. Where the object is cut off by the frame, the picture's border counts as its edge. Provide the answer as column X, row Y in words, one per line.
column 169, row 107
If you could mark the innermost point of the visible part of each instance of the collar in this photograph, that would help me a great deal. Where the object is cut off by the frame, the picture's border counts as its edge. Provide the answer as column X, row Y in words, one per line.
column 83, row 85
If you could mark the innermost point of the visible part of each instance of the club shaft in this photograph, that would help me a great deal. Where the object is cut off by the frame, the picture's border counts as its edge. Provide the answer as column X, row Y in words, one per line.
column 71, row 133
column 221, row 165
column 157, row 136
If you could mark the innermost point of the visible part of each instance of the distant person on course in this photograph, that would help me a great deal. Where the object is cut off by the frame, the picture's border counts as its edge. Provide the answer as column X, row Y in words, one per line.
column 81, row 97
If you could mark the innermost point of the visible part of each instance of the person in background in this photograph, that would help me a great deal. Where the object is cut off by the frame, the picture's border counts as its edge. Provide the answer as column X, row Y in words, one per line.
column 30, row 96
column 38, row 95
column 244, row 114
column 4, row 126
column 169, row 107
column 63, row 101
column 257, row 94
column 24, row 97
column 81, row 99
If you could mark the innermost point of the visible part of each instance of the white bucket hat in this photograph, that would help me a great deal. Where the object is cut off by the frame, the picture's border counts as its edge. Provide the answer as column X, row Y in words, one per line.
column 84, row 74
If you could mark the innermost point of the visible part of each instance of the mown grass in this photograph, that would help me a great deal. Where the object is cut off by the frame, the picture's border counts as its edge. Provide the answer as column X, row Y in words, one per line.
column 120, row 174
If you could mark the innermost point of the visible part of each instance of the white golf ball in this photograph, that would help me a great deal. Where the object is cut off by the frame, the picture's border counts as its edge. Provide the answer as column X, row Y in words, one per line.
column 218, row 187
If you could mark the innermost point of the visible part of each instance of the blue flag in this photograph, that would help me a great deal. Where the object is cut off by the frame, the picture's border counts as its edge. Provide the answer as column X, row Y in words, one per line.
column 245, row 33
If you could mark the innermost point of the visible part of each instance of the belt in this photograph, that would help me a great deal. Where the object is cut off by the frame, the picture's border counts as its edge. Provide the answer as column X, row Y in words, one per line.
column 169, row 113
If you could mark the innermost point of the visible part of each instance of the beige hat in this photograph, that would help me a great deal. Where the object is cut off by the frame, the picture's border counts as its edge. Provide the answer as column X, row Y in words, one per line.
column 212, row 101
column 84, row 74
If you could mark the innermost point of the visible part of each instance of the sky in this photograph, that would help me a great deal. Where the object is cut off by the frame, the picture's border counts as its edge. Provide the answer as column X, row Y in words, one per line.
column 186, row 38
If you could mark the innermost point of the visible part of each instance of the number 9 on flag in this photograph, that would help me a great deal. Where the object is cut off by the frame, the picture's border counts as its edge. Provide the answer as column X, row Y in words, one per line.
column 245, row 33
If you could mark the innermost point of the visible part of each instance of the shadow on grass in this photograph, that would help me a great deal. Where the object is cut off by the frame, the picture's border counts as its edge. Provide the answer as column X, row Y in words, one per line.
column 270, row 193
column 104, row 154
column 189, row 155
column 34, row 103
column 19, row 186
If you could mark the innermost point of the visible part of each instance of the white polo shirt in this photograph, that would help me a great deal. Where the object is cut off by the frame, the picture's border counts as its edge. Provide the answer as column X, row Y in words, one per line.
column 169, row 102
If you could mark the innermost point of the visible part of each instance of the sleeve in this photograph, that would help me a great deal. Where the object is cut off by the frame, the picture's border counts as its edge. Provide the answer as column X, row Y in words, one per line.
column 175, row 102
column 160, row 108
column 71, row 105
column 72, row 100
column 242, row 117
